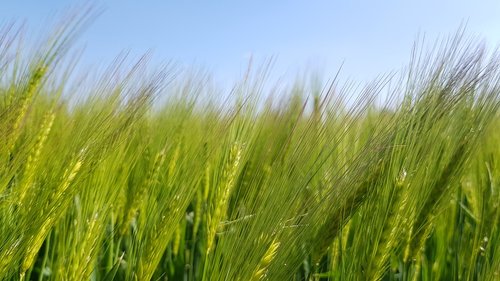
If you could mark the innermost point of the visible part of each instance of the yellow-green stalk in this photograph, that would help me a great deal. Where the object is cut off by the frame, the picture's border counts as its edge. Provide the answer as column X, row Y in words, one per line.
column 29, row 171
column 24, row 102
column 260, row 271
column 220, row 210
column 142, row 194
column 36, row 240
column 389, row 235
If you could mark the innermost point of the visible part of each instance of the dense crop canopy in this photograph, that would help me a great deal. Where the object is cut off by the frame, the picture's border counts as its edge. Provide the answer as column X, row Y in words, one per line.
column 114, row 183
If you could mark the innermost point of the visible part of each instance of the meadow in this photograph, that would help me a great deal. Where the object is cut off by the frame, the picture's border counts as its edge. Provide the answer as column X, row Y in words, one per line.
column 140, row 174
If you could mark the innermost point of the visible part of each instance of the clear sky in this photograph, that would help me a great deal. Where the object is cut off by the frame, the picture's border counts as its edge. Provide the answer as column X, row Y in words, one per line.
column 369, row 37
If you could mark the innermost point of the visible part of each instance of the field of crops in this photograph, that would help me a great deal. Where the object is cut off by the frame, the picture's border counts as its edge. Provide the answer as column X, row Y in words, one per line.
column 143, row 174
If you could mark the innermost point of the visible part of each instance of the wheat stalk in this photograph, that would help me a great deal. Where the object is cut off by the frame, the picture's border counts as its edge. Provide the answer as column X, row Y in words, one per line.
column 220, row 210
column 260, row 271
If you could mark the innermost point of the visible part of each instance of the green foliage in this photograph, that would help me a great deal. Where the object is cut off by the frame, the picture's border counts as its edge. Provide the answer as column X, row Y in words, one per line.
column 111, row 185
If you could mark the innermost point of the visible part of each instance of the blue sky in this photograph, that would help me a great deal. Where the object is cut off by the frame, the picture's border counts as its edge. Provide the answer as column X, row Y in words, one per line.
column 317, row 36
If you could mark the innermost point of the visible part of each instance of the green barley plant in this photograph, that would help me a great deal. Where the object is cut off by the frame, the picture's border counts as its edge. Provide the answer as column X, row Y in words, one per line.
column 144, row 173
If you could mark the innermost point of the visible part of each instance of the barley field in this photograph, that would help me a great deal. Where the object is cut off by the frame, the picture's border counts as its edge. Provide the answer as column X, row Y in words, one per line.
column 142, row 173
